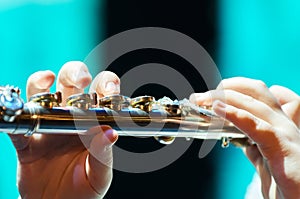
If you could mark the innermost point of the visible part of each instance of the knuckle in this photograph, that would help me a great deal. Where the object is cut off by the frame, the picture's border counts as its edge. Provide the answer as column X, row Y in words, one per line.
column 226, row 83
column 222, row 83
column 274, row 87
column 297, row 105
column 260, row 84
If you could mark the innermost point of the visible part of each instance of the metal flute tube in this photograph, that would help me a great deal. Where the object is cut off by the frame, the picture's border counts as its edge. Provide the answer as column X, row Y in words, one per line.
column 142, row 116
column 128, row 122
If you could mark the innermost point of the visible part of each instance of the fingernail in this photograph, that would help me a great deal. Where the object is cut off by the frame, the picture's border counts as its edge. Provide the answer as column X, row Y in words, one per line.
column 110, row 87
column 81, row 78
column 219, row 104
column 111, row 136
column 219, row 108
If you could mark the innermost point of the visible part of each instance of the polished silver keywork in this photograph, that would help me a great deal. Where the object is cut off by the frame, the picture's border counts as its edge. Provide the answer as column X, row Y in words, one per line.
column 164, row 119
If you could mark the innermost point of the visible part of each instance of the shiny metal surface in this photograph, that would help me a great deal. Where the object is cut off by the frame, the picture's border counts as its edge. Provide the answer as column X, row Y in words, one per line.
column 165, row 120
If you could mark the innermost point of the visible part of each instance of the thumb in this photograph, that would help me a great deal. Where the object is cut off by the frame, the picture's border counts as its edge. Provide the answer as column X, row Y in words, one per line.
column 100, row 158
column 19, row 141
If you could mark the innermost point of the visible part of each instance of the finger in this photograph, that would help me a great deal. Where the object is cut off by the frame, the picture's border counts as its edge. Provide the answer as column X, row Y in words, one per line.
column 254, row 88
column 267, row 182
column 292, row 109
column 207, row 98
column 99, row 161
column 268, row 185
column 73, row 77
column 261, row 167
column 283, row 95
column 39, row 82
column 290, row 102
column 105, row 83
column 253, row 155
column 271, row 144
column 256, row 129
column 240, row 101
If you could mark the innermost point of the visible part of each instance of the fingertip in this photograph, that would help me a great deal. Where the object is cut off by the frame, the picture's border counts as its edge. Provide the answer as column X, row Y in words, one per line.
column 74, row 74
column 80, row 75
column 200, row 99
column 192, row 98
column 112, row 88
column 277, row 90
column 105, row 134
column 38, row 82
column 48, row 79
column 275, row 87
column 41, row 79
column 111, row 135
column 73, row 77
column 101, row 144
column 106, row 83
column 109, row 84
column 82, row 80
column 219, row 108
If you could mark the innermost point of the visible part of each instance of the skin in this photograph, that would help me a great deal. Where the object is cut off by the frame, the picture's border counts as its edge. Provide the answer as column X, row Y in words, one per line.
column 60, row 166
column 270, row 118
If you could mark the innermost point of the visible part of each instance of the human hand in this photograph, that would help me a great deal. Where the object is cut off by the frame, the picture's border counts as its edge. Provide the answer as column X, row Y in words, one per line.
column 60, row 166
column 255, row 110
column 289, row 101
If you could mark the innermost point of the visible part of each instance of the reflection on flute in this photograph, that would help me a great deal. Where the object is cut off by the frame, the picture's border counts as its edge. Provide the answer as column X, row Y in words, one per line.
column 142, row 116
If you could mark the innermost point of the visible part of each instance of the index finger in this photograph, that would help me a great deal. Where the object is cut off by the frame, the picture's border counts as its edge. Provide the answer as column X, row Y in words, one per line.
column 39, row 82
column 251, row 87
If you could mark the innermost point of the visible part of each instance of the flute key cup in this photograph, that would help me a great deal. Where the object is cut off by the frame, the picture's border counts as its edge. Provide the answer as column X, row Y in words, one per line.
column 164, row 119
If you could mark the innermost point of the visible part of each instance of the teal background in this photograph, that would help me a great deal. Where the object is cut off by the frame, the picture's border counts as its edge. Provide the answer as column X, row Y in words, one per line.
column 261, row 40
column 39, row 35
column 258, row 39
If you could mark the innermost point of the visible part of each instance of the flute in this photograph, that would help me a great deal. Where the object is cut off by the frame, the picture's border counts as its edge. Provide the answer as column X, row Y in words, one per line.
column 143, row 116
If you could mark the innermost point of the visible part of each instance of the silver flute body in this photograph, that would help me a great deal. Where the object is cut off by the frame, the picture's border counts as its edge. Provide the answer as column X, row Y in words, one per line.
column 140, row 117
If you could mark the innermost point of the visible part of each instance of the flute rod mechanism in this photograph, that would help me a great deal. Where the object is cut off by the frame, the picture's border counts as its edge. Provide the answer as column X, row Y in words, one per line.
column 140, row 117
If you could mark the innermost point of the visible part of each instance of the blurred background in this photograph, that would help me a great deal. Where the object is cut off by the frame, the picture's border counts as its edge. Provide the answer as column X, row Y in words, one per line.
column 257, row 39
